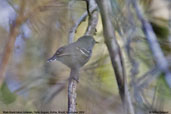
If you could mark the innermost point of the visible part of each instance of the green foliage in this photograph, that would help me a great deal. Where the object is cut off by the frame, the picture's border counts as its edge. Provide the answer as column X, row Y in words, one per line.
column 160, row 30
column 6, row 96
column 105, row 72
column 164, row 91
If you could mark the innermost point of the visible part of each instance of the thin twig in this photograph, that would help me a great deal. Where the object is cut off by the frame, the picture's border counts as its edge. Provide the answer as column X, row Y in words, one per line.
column 154, row 45
column 152, row 72
column 52, row 92
column 76, row 25
column 93, row 19
column 14, row 31
column 169, row 23
column 154, row 97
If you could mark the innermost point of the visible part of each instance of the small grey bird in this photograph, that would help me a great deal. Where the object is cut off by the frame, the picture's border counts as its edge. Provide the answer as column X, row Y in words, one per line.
column 76, row 54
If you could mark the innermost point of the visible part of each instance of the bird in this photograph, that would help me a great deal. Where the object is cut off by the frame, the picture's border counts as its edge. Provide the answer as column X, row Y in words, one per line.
column 75, row 55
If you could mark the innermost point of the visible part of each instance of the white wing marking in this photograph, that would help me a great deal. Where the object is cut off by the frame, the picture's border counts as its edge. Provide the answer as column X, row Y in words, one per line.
column 83, row 51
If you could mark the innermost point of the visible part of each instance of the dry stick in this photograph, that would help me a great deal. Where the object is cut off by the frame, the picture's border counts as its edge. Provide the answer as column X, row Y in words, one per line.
column 154, row 45
column 72, row 95
column 115, row 54
column 90, row 30
column 113, row 47
column 76, row 25
column 14, row 31
column 93, row 19
column 169, row 23
column 53, row 91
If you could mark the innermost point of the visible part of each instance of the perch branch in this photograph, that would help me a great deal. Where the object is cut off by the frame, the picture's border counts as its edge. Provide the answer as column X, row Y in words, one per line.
column 90, row 30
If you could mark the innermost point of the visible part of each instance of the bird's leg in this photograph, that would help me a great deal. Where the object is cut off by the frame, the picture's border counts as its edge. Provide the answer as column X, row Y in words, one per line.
column 74, row 75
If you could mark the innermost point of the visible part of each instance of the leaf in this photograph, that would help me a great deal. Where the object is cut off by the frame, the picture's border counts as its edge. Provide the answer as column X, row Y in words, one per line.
column 160, row 30
column 6, row 96
column 164, row 90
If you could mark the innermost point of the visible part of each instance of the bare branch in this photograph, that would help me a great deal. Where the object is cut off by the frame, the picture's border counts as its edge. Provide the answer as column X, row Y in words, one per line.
column 52, row 92
column 72, row 95
column 14, row 31
column 154, row 45
column 93, row 19
column 78, row 22
column 113, row 46
column 115, row 54
column 169, row 8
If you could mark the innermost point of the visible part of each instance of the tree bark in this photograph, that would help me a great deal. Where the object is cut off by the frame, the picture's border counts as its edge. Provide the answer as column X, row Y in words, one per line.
column 112, row 45
column 115, row 54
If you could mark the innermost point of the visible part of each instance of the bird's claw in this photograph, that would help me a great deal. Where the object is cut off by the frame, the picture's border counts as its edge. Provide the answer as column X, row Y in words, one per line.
column 74, row 78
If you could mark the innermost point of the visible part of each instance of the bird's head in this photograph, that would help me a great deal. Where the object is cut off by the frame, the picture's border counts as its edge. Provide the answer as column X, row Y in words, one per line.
column 87, row 40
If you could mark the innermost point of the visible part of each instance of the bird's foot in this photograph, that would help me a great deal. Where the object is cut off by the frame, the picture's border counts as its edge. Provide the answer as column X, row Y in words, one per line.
column 74, row 78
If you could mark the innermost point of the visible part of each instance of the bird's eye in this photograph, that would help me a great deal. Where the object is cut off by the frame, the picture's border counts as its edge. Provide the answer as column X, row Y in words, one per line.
column 59, row 51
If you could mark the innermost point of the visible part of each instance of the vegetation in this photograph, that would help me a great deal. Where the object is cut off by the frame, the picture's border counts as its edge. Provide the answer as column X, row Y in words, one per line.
column 129, row 71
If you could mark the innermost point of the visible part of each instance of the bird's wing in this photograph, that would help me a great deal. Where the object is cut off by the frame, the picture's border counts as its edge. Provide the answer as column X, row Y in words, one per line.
column 84, row 51
column 66, row 50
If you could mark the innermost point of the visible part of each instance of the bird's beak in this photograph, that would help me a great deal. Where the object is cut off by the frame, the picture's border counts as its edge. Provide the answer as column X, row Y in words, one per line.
column 53, row 58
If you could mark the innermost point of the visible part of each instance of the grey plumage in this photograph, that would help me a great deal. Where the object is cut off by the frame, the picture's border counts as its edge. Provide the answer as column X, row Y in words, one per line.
column 76, row 54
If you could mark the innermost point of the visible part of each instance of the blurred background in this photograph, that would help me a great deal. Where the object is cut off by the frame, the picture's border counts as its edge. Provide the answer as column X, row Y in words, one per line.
column 31, row 83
